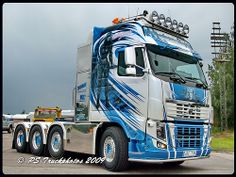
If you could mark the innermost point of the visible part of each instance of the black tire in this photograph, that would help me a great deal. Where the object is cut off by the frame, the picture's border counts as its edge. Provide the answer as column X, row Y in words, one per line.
column 119, row 159
column 177, row 163
column 56, row 150
column 20, row 139
column 36, row 142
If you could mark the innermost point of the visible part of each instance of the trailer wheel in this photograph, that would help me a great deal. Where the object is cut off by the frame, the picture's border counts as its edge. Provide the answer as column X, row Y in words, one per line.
column 177, row 163
column 20, row 139
column 114, row 147
column 55, row 142
column 36, row 141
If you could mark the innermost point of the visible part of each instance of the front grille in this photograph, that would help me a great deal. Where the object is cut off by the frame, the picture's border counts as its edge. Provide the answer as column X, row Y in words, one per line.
column 185, row 110
column 188, row 137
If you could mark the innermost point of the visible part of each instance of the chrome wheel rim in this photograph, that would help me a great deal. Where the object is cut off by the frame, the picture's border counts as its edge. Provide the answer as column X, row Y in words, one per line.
column 56, row 142
column 36, row 140
column 109, row 149
column 20, row 138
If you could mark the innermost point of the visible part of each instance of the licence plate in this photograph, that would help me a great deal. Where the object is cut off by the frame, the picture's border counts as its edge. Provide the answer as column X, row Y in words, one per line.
column 189, row 153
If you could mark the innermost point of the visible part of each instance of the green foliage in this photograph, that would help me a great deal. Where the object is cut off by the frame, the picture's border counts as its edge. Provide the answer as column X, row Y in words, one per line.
column 214, row 73
column 223, row 141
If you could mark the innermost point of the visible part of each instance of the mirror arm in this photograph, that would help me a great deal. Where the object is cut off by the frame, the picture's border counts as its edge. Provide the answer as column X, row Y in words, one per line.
column 146, row 70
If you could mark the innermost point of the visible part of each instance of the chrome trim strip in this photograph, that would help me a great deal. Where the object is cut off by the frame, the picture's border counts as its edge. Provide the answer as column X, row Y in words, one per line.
column 168, row 160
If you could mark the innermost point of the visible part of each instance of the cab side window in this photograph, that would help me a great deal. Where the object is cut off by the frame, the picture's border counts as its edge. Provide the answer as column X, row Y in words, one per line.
column 121, row 63
column 139, row 61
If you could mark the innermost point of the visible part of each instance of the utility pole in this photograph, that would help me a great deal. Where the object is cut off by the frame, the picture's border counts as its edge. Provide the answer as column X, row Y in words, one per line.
column 219, row 41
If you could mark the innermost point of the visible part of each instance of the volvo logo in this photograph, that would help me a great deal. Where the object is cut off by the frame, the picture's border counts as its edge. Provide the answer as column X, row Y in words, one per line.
column 190, row 111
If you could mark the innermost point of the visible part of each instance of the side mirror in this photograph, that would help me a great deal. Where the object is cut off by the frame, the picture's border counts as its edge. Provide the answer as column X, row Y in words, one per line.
column 130, row 61
column 130, row 57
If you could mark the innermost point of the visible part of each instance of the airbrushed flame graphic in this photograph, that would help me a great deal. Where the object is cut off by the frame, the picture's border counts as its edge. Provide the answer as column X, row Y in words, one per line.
column 106, row 92
column 186, row 93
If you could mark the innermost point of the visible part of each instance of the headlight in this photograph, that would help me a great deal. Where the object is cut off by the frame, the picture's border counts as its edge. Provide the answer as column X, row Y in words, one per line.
column 161, row 131
column 211, row 116
column 161, row 145
column 209, row 136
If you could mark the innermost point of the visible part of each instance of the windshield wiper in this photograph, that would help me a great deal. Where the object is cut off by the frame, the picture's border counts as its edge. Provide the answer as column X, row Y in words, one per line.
column 181, row 79
column 201, row 82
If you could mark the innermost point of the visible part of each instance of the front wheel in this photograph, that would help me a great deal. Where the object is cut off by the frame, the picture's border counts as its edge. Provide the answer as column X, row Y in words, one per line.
column 55, row 142
column 114, row 147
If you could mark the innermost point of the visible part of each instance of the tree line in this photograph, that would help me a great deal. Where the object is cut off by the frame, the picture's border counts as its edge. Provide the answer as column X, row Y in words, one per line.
column 215, row 73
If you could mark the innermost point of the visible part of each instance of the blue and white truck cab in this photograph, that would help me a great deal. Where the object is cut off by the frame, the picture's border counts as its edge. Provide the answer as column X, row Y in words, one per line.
column 140, row 95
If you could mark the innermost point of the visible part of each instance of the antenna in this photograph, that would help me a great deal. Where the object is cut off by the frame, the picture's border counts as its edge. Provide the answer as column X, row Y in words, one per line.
column 128, row 10
column 169, row 13
column 137, row 11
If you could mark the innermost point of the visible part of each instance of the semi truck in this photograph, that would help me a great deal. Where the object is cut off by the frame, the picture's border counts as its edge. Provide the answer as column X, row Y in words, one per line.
column 140, row 95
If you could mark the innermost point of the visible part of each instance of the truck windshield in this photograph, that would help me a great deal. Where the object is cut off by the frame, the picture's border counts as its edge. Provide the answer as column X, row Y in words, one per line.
column 45, row 114
column 168, row 62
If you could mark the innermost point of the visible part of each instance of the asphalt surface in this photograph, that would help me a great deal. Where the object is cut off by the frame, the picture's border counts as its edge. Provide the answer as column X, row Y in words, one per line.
column 25, row 163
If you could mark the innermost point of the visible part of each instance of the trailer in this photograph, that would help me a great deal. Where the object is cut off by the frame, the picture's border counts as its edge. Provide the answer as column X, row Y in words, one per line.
column 140, row 95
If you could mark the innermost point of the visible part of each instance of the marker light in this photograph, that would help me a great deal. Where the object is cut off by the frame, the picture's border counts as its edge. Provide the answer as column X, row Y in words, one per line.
column 162, row 18
column 186, row 29
column 115, row 21
column 168, row 22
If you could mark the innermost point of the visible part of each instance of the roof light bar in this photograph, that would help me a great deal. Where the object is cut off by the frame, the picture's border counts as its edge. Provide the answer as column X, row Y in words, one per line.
column 167, row 23
column 160, row 21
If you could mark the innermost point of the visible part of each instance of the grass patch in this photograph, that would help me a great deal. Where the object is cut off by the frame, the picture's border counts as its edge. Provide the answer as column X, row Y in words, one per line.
column 223, row 141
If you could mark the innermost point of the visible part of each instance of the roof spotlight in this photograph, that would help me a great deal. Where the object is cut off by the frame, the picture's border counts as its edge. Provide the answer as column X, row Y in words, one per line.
column 162, row 18
column 145, row 12
column 180, row 26
column 168, row 22
column 186, row 29
column 174, row 24
column 154, row 16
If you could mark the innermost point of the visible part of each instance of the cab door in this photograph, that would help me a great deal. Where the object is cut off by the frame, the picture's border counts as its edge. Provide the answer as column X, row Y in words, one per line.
column 131, row 90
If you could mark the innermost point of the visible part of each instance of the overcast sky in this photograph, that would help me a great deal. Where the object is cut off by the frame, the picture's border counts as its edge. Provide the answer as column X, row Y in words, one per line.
column 40, row 42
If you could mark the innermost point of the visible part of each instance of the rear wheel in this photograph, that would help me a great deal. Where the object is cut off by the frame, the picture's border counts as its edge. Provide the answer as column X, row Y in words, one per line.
column 36, row 141
column 114, row 147
column 55, row 142
column 20, row 139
